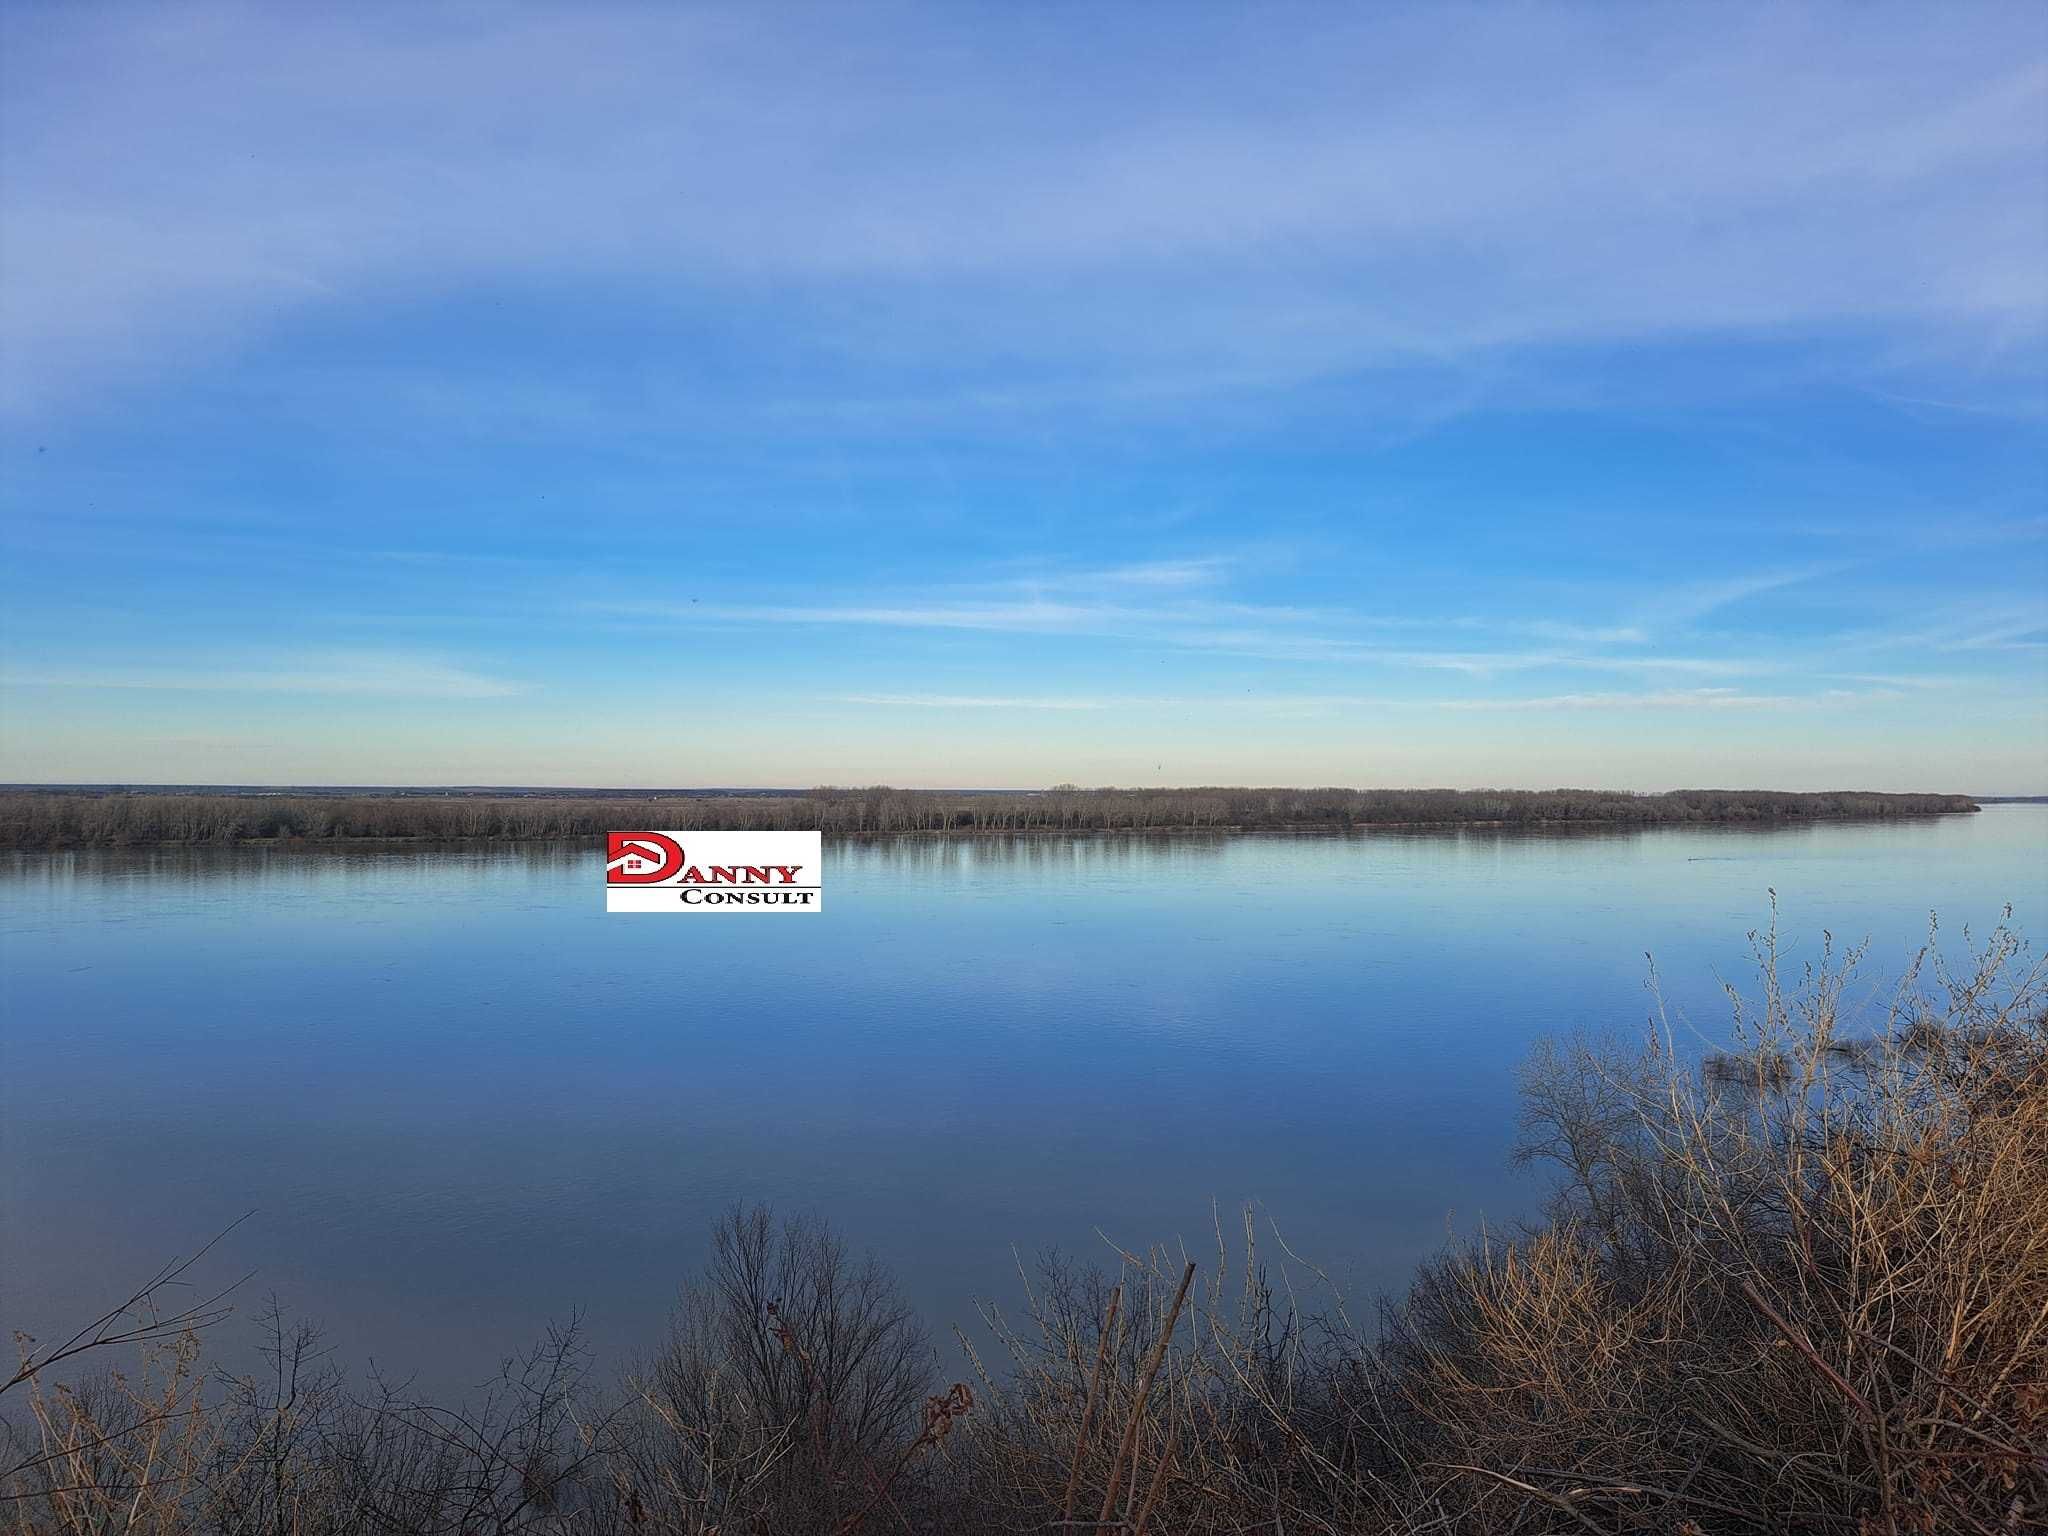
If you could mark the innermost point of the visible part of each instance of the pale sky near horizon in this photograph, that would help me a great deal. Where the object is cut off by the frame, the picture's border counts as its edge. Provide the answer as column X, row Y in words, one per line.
column 961, row 395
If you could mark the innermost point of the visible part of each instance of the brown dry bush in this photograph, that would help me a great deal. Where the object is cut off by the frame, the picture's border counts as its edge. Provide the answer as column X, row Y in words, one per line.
column 1804, row 1287
column 785, row 1395
column 171, row 1450
column 1805, row 1290
column 1142, row 1401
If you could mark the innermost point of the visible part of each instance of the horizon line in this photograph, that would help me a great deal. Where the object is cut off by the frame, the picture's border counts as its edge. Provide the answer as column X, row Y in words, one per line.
column 138, row 787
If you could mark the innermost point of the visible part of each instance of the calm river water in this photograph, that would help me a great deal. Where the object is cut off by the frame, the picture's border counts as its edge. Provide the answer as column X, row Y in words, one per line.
column 462, row 1100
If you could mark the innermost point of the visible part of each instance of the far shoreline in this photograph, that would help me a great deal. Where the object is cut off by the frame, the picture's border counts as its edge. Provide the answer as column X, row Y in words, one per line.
column 58, row 820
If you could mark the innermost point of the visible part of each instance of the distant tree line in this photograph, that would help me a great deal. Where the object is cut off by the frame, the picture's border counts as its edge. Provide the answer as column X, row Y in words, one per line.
column 59, row 819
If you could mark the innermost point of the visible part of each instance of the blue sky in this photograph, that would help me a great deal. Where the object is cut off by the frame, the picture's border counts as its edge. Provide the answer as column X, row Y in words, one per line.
column 1634, row 397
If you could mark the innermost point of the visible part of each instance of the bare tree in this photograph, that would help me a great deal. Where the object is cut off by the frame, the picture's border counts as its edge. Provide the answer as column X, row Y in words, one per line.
column 790, row 1383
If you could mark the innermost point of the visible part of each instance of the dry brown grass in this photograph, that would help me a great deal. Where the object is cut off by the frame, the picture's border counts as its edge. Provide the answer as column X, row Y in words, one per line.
column 1803, row 1290
column 1814, row 1297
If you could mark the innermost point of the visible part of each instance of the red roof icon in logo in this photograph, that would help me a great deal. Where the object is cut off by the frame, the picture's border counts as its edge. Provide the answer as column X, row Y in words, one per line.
column 641, row 858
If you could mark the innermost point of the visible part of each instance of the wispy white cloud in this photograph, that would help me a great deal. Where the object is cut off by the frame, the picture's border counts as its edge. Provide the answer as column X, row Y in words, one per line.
column 1686, row 602
column 1589, row 634
column 1027, row 617
column 1188, row 605
column 1953, row 630
column 1346, row 195
column 1070, row 603
column 1709, row 699
column 1255, row 701
column 1893, row 682
column 2019, row 635
column 971, row 701
column 1320, row 636
column 376, row 674
column 1174, row 574
column 1496, row 663
column 1322, row 704
column 1150, row 604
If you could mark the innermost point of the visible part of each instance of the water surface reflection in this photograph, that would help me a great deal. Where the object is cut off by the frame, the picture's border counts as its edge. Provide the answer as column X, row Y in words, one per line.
column 463, row 1099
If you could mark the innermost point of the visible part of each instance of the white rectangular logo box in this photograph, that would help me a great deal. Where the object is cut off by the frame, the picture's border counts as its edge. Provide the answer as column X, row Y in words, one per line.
column 713, row 871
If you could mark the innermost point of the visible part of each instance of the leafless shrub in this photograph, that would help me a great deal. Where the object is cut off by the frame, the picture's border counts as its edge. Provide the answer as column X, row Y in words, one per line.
column 1142, row 1401
column 169, row 1450
column 1810, row 1294
column 789, row 1386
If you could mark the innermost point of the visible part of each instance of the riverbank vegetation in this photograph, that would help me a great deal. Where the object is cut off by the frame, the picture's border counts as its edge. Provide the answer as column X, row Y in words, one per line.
column 1803, row 1287
column 108, row 819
